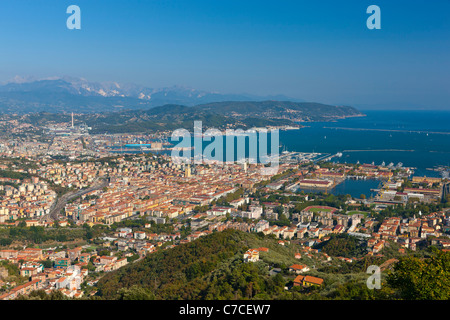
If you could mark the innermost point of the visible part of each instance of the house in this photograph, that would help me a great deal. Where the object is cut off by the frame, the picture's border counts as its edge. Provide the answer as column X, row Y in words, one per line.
column 32, row 253
column 371, row 243
column 348, row 260
column 123, row 232
column 74, row 254
column 378, row 246
column 23, row 289
column 338, row 228
column 307, row 281
column 239, row 202
column 29, row 272
column 61, row 283
column 289, row 233
column 260, row 226
column 301, row 232
column 298, row 268
column 252, row 255
column 140, row 235
column 107, row 260
column 85, row 257
column 8, row 254
column 120, row 263
column 62, row 262
column 313, row 232
column 219, row 211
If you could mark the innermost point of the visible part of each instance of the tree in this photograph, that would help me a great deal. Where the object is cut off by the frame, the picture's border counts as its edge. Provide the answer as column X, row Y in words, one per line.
column 135, row 293
column 422, row 279
column 104, row 252
column 47, row 263
column 91, row 267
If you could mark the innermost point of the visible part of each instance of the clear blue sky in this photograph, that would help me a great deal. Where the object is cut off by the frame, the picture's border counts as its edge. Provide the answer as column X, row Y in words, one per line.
column 315, row 50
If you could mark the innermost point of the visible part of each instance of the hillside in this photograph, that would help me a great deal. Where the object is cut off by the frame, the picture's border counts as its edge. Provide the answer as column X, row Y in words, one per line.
column 212, row 267
column 296, row 111
column 238, row 114
column 182, row 272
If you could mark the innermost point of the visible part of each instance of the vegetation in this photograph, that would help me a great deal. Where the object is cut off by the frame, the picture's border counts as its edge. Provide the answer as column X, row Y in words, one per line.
column 342, row 245
column 39, row 235
column 416, row 278
column 178, row 272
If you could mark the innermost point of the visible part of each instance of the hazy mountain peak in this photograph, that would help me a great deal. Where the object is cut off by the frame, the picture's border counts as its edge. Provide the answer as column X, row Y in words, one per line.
column 65, row 93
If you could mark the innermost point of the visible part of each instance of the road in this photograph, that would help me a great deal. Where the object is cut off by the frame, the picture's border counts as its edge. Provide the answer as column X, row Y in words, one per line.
column 61, row 203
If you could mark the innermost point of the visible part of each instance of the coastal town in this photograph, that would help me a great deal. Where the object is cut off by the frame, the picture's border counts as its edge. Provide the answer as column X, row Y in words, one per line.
column 108, row 210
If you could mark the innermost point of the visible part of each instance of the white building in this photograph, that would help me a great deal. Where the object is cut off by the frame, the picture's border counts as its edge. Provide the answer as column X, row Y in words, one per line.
column 261, row 226
column 139, row 235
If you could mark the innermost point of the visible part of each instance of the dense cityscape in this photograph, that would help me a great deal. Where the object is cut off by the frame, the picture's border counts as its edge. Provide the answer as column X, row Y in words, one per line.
column 74, row 210
column 211, row 159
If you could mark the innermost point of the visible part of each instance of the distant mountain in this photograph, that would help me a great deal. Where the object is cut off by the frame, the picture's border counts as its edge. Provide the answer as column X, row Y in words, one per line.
column 66, row 94
column 287, row 110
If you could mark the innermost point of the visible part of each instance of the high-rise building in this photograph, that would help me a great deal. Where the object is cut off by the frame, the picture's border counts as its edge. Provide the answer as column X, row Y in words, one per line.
column 187, row 171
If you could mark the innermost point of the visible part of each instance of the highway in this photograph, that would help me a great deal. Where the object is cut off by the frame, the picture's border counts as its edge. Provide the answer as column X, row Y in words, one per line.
column 61, row 202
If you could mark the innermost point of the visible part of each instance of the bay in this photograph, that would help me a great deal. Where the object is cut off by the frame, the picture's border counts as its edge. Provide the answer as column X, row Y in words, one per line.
column 419, row 139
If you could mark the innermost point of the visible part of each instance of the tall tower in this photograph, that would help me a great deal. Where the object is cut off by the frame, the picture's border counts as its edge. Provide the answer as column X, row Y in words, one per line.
column 445, row 191
column 72, row 119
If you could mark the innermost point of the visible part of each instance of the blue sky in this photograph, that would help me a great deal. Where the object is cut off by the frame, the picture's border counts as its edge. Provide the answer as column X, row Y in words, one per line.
column 314, row 50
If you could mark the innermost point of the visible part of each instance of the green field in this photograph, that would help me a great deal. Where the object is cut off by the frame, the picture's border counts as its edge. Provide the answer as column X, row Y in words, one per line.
column 314, row 209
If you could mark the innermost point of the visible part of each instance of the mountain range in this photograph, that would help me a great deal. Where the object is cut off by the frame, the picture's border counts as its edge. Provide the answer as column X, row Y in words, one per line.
column 67, row 94
column 117, row 108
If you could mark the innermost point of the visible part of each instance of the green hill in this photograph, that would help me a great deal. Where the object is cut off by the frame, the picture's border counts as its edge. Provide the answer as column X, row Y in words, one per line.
column 240, row 114
column 208, row 268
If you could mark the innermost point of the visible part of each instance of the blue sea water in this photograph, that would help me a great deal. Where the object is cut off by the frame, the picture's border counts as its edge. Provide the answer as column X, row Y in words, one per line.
column 352, row 187
column 419, row 139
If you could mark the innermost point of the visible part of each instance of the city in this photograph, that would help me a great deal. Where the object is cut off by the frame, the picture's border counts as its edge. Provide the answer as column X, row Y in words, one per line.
column 65, row 224
column 224, row 158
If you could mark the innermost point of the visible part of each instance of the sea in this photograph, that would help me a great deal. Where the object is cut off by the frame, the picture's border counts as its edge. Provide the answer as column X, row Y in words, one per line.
column 418, row 139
